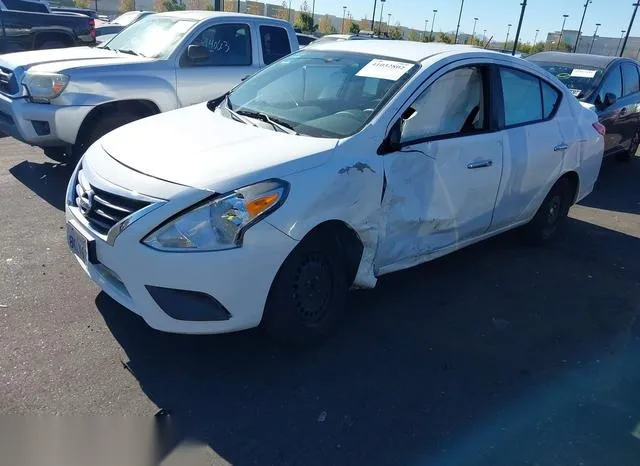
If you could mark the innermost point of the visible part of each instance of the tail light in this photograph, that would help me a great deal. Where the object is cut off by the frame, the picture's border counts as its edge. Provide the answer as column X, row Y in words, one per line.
column 92, row 28
column 599, row 127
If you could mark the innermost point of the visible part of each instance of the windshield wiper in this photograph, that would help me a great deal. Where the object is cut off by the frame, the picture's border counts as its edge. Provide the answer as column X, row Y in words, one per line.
column 276, row 123
column 239, row 117
column 130, row 52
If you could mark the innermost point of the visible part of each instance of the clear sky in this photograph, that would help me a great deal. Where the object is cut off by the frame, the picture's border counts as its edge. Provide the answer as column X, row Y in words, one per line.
column 493, row 15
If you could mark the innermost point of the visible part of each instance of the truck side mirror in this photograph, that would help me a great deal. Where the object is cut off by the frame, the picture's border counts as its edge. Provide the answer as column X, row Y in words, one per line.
column 197, row 53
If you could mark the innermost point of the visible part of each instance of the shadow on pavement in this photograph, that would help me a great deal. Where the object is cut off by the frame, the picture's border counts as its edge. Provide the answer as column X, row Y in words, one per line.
column 618, row 187
column 47, row 180
column 499, row 354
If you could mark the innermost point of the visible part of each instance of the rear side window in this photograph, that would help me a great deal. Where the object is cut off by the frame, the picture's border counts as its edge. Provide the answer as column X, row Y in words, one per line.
column 522, row 97
column 550, row 99
column 275, row 43
column 612, row 84
column 630, row 78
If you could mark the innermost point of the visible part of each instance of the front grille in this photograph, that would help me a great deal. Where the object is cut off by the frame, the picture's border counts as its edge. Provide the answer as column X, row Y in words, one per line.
column 8, row 82
column 101, row 208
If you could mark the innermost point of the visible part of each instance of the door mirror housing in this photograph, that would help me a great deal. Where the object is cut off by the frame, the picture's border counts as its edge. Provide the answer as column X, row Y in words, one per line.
column 393, row 141
column 197, row 53
column 609, row 99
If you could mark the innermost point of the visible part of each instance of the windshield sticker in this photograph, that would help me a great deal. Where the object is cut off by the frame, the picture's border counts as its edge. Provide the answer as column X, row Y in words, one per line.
column 575, row 92
column 182, row 26
column 578, row 73
column 384, row 69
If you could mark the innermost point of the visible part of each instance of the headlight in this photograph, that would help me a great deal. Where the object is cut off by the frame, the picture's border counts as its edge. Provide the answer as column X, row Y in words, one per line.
column 44, row 87
column 219, row 223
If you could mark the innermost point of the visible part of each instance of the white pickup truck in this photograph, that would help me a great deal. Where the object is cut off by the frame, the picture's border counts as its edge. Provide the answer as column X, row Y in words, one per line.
column 65, row 99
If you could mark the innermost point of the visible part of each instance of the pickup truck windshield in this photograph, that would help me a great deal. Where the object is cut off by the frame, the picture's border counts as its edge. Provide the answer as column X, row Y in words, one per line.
column 321, row 94
column 154, row 37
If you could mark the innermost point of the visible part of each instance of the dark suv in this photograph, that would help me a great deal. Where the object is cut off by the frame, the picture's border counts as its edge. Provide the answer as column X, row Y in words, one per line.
column 611, row 85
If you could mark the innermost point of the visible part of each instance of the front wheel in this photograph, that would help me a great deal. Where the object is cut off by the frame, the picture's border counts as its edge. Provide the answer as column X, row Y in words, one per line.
column 551, row 214
column 635, row 143
column 104, row 125
column 308, row 295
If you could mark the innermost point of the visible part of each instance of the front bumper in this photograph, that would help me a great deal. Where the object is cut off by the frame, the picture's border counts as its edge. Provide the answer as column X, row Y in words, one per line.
column 238, row 279
column 43, row 125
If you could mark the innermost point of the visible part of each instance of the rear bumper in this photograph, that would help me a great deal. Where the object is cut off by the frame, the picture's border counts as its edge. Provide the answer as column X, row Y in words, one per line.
column 43, row 125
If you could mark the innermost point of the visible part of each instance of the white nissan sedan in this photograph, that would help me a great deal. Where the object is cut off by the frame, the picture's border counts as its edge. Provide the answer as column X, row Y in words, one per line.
column 328, row 169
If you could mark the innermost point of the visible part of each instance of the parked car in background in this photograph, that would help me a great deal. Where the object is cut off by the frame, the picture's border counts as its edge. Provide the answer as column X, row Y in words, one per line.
column 608, row 85
column 71, row 97
column 83, row 11
column 305, row 39
column 328, row 169
column 341, row 37
column 121, row 22
column 30, row 25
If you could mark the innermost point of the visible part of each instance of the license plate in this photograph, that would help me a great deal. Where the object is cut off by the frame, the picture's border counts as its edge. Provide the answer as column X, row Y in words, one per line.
column 78, row 243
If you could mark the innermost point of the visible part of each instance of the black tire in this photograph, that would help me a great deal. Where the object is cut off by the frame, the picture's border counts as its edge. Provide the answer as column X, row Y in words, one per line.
column 308, row 295
column 551, row 215
column 104, row 125
column 626, row 156
column 51, row 44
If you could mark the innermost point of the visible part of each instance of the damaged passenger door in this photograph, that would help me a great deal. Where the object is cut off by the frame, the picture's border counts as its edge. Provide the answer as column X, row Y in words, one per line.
column 442, row 165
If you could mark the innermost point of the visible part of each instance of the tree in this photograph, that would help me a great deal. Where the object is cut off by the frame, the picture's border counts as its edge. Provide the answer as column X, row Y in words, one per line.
column 283, row 11
column 230, row 5
column 354, row 28
column 304, row 7
column 414, row 35
column 305, row 22
column 173, row 5
column 198, row 4
column 395, row 32
column 127, row 5
column 325, row 25
column 365, row 23
column 83, row 3
column 444, row 37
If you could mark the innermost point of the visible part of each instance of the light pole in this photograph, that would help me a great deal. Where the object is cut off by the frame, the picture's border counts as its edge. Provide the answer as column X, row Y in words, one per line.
column 424, row 34
column 484, row 36
column 381, row 10
column 594, row 36
column 506, row 41
column 388, row 23
column 562, row 31
column 455, row 40
column 515, row 42
column 344, row 11
column 432, row 23
column 633, row 17
column 313, row 15
column 373, row 17
column 473, row 36
column 620, row 41
column 535, row 38
column 584, row 13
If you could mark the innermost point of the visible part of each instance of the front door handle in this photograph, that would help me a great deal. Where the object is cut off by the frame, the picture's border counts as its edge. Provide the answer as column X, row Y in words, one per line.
column 623, row 111
column 480, row 164
column 561, row 147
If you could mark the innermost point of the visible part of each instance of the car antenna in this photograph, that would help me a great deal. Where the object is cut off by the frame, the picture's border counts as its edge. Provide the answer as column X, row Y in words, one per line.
column 488, row 42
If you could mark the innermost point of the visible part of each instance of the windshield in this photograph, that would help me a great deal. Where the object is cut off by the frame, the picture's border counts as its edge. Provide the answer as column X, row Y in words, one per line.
column 126, row 18
column 154, row 36
column 321, row 94
column 580, row 80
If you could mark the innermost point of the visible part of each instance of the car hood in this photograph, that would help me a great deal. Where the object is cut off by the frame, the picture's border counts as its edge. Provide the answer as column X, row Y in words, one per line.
column 196, row 147
column 62, row 59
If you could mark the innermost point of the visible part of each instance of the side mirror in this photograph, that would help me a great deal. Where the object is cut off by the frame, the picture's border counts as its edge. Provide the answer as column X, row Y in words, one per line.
column 197, row 53
column 609, row 99
column 393, row 141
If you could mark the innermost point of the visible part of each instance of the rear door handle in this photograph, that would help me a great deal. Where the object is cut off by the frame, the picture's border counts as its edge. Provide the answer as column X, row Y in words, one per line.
column 561, row 147
column 479, row 164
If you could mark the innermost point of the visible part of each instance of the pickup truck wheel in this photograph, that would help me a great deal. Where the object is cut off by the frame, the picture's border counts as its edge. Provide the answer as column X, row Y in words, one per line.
column 104, row 125
column 308, row 295
column 551, row 214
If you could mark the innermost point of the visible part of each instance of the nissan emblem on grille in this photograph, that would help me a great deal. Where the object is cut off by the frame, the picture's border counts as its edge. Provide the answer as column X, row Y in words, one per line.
column 84, row 200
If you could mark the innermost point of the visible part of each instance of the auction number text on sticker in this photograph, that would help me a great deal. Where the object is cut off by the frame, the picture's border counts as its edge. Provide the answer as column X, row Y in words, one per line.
column 384, row 69
column 578, row 73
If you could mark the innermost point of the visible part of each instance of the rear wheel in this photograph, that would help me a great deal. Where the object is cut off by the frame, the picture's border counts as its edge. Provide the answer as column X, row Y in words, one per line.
column 104, row 125
column 308, row 295
column 551, row 214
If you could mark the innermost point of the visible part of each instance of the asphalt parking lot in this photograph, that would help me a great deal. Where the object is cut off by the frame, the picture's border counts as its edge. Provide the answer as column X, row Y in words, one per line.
column 500, row 354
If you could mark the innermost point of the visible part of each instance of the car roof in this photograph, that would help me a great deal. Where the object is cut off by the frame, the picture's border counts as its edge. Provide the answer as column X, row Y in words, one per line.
column 199, row 15
column 400, row 49
column 597, row 61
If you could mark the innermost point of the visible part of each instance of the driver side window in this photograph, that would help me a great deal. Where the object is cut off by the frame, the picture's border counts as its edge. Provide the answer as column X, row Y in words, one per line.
column 612, row 84
column 452, row 105
column 227, row 45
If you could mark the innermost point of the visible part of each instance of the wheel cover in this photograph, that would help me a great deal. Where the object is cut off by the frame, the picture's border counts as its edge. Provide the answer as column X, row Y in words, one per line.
column 555, row 209
column 313, row 288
